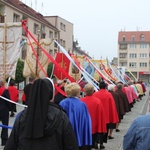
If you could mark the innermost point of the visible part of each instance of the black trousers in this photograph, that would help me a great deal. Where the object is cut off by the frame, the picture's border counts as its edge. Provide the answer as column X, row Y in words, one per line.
column 5, row 120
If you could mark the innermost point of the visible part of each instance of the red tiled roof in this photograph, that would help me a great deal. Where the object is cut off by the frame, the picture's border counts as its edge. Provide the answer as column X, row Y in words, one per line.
column 137, row 34
column 28, row 10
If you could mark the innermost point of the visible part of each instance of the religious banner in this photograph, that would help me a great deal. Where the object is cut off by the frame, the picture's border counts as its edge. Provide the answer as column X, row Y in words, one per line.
column 74, row 71
column 99, row 67
column 10, row 38
column 64, row 62
column 88, row 68
column 31, row 65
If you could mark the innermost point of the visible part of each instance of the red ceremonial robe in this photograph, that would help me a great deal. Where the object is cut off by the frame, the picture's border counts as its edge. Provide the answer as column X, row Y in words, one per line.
column 134, row 96
column 97, row 113
column 129, row 94
column 14, row 94
column 108, row 104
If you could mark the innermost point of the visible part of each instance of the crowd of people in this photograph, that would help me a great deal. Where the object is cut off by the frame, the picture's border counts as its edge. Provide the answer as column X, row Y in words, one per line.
column 60, row 116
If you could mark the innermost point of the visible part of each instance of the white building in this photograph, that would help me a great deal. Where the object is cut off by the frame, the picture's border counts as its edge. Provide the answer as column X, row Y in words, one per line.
column 134, row 53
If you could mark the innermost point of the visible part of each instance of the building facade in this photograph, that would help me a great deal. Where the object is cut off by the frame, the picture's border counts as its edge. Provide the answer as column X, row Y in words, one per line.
column 66, row 31
column 54, row 28
column 134, row 54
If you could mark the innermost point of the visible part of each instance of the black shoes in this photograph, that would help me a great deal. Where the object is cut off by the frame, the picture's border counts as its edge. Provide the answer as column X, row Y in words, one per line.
column 117, row 130
column 102, row 147
column 96, row 146
column 12, row 115
column 110, row 137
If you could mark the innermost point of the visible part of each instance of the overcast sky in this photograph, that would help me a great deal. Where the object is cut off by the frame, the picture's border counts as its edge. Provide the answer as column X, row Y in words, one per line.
column 97, row 22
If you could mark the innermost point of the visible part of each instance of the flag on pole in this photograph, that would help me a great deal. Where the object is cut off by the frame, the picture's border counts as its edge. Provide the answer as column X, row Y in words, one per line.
column 12, row 44
column 64, row 62
column 31, row 67
column 88, row 68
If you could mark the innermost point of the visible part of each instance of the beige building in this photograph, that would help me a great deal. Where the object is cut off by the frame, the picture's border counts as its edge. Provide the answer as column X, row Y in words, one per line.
column 41, row 27
column 134, row 53
column 66, row 31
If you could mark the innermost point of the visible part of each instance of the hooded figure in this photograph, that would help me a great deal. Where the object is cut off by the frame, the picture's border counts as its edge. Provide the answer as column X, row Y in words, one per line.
column 43, row 125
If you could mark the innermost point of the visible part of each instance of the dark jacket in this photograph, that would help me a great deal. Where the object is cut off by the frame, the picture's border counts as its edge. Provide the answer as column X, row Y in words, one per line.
column 59, row 97
column 58, row 133
column 5, row 105
column 27, row 89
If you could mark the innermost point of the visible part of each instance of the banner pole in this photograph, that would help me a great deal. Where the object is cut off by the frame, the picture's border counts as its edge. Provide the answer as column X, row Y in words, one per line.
column 36, row 71
column 4, row 54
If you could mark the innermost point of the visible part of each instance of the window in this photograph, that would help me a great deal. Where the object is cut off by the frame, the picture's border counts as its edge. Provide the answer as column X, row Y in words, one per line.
column 123, row 64
column 62, row 26
column 50, row 34
column 123, row 46
column 36, row 28
column 132, row 46
column 61, row 42
column 24, row 50
column 123, row 39
column 122, row 55
column 142, row 38
column 43, row 34
column 132, row 55
column 1, row 19
column 132, row 64
column 142, row 46
column 16, row 18
column 143, row 55
column 64, row 43
column 143, row 64
column 23, row 32
column 55, row 35
column 51, row 52
column 55, row 44
column 133, row 38
column 42, row 28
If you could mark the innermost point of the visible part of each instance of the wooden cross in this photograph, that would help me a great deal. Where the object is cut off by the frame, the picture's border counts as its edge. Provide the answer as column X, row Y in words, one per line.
column 7, row 43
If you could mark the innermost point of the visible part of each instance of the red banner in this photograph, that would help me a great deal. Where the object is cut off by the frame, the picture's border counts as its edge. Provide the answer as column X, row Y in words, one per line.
column 64, row 62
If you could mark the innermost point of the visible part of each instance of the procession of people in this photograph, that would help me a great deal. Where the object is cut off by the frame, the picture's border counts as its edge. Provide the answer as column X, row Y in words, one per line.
column 91, row 117
column 76, row 106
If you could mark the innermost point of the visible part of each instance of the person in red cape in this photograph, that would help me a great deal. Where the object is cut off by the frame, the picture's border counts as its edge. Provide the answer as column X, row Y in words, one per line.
column 4, row 112
column 129, row 94
column 14, row 95
column 109, row 106
column 97, row 113
column 134, row 96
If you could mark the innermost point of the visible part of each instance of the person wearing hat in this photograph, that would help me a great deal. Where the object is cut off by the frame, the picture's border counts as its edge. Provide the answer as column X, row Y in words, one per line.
column 43, row 125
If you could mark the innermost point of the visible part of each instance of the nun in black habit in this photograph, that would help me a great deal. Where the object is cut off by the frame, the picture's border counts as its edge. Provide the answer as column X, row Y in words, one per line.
column 43, row 125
